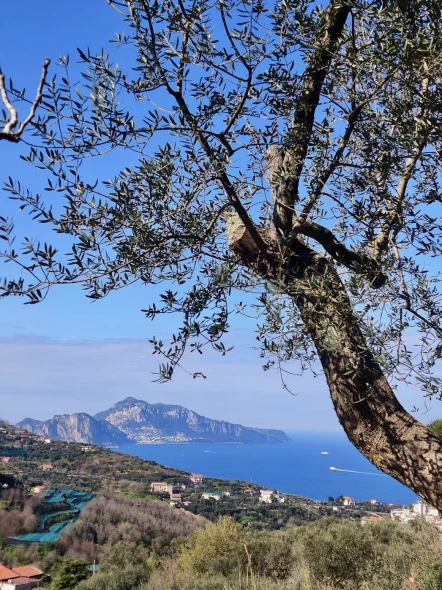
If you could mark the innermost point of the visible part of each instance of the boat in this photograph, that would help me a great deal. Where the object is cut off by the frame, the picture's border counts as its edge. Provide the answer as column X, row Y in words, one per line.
column 324, row 453
column 333, row 469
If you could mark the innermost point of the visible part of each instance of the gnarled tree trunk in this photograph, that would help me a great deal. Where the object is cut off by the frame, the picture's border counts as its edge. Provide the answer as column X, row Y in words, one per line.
column 367, row 408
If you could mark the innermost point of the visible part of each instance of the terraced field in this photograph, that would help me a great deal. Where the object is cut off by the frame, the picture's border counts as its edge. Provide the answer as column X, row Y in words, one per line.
column 50, row 533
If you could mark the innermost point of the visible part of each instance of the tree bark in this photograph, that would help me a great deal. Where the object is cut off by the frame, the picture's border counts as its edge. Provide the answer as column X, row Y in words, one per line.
column 371, row 415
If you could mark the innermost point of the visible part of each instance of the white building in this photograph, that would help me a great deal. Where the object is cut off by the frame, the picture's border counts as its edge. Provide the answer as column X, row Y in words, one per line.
column 212, row 496
column 270, row 496
column 347, row 501
column 420, row 508
column 266, row 496
column 197, row 478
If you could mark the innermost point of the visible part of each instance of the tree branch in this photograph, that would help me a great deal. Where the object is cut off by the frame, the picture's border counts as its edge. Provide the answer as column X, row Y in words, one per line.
column 326, row 40
column 217, row 164
column 394, row 215
column 358, row 262
column 241, row 58
column 8, row 132
column 323, row 179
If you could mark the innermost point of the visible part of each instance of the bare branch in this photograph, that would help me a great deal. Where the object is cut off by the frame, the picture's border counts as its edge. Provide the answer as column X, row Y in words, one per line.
column 8, row 132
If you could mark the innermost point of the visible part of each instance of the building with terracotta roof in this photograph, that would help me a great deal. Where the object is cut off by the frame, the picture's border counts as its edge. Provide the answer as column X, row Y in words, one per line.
column 47, row 467
column 6, row 574
column 22, row 577
column 28, row 571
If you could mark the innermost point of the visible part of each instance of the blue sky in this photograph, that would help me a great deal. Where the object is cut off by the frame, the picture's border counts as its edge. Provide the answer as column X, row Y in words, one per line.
column 68, row 354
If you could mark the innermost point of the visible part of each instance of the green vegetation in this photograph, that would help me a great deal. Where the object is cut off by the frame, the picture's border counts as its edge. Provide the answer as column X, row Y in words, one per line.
column 67, row 573
column 236, row 543
column 328, row 555
column 140, row 542
column 436, row 427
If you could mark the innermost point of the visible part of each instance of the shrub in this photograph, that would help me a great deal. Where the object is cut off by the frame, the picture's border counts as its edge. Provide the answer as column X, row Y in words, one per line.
column 217, row 549
column 127, row 579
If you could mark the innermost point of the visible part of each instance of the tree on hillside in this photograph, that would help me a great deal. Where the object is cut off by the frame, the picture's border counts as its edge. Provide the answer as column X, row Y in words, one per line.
column 290, row 150
column 67, row 574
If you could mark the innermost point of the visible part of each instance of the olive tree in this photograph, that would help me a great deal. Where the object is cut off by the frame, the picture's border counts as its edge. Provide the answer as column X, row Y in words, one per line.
column 287, row 149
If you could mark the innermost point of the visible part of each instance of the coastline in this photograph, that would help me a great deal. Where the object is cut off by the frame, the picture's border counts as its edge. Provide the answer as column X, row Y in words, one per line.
column 298, row 469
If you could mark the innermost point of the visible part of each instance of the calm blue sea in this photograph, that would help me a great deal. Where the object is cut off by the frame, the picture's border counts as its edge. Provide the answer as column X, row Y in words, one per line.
column 297, row 468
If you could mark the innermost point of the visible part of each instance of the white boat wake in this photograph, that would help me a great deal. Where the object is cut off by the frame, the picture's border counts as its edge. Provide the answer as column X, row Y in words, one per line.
column 359, row 472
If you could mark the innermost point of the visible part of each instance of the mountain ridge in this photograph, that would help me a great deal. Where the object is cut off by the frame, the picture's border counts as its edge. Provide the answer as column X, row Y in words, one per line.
column 134, row 420
column 78, row 427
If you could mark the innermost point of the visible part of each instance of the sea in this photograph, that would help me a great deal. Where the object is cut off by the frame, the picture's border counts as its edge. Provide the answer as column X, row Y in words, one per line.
column 296, row 468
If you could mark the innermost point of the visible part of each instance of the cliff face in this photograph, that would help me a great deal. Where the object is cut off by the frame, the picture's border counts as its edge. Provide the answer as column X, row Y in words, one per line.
column 149, row 423
column 76, row 428
column 133, row 420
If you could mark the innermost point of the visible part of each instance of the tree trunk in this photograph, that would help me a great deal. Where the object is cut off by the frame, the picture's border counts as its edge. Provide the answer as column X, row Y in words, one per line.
column 365, row 404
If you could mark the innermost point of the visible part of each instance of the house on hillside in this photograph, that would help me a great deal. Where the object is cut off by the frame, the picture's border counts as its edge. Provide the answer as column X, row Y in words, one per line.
column 270, row 496
column 347, row 501
column 196, row 478
column 159, row 487
column 28, row 571
column 47, row 467
column 7, row 576
column 20, row 577
column 212, row 496
column 175, row 497
column 5, row 459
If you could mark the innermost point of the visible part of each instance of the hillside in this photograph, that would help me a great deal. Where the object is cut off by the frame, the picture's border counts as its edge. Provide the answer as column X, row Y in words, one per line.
column 96, row 470
column 142, row 543
column 133, row 420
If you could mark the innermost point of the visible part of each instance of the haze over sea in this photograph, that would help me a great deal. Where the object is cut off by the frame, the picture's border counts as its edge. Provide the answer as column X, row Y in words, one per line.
column 296, row 468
